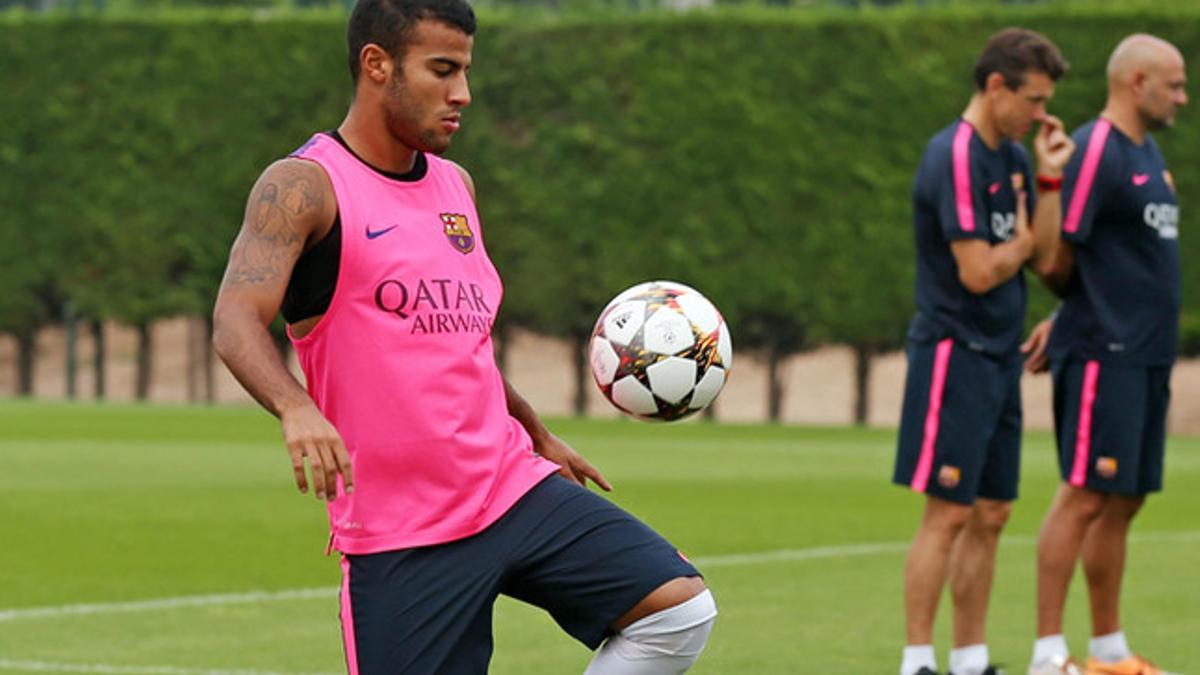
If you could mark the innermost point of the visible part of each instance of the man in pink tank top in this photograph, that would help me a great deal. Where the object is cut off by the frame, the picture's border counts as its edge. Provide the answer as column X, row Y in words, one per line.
column 443, row 487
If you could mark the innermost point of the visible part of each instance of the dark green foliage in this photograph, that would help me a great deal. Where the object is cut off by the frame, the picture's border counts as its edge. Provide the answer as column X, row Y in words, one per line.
column 765, row 157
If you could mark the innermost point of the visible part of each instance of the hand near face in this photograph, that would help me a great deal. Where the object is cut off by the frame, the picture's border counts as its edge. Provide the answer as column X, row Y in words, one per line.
column 1053, row 147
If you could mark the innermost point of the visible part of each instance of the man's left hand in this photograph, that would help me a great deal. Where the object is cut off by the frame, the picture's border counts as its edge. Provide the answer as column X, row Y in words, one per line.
column 574, row 466
column 1034, row 347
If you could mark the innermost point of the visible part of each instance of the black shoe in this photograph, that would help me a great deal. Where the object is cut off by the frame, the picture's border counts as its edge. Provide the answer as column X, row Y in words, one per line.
column 991, row 670
column 927, row 671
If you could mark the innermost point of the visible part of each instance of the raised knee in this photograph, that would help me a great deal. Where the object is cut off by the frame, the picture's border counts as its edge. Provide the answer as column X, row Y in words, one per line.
column 681, row 630
column 678, row 632
column 666, row 642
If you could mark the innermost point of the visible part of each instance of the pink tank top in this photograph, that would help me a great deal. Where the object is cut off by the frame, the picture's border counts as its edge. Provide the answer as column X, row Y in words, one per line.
column 402, row 362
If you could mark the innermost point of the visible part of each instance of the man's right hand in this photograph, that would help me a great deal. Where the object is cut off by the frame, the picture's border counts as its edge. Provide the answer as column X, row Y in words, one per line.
column 292, row 203
column 308, row 434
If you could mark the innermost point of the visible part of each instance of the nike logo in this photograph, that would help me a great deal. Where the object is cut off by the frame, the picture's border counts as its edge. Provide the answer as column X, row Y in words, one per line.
column 1140, row 179
column 994, row 188
column 375, row 234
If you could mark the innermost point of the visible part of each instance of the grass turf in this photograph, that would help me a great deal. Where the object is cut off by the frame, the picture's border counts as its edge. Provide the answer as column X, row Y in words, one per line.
column 112, row 504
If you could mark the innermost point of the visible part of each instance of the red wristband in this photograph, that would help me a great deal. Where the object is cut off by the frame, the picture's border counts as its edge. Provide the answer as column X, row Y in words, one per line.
column 1047, row 184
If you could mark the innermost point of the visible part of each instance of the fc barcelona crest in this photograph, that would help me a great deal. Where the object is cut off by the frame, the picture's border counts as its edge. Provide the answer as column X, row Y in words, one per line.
column 458, row 232
column 949, row 476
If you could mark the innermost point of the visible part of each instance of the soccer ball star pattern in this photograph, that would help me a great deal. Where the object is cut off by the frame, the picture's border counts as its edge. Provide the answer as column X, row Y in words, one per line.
column 660, row 351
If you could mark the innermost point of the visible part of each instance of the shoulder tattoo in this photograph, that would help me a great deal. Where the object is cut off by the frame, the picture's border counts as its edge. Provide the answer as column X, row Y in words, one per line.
column 271, row 238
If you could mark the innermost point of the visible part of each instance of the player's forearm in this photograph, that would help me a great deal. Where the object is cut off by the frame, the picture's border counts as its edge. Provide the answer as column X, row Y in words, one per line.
column 1008, row 258
column 1056, row 273
column 246, row 347
column 999, row 264
column 521, row 411
column 1047, row 228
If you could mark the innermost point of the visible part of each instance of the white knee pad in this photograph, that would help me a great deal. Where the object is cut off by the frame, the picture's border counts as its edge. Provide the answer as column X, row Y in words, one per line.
column 663, row 643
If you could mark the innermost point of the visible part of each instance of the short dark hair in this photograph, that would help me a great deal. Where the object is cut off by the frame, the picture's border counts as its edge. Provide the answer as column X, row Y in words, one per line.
column 389, row 24
column 1013, row 52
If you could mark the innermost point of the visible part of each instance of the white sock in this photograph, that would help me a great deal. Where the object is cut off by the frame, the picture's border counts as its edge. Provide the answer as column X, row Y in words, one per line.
column 917, row 657
column 969, row 660
column 1046, row 648
column 1110, row 648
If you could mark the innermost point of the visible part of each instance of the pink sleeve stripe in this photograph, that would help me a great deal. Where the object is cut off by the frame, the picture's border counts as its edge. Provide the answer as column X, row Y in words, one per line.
column 1087, row 175
column 1083, row 432
column 933, row 415
column 962, row 177
column 347, row 616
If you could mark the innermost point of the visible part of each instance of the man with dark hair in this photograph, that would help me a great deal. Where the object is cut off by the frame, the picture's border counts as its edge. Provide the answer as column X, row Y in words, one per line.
column 1013, row 52
column 1111, row 349
column 960, row 428
column 389, row 24
column 444, row 489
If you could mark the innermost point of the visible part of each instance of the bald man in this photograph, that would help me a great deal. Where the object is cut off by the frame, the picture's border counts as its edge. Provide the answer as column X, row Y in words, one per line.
column 1111, row 349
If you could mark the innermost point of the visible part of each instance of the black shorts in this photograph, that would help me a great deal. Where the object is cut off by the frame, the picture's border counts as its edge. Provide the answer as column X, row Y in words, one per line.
column 1111, row 425
column 960, row 428
column 561, row 547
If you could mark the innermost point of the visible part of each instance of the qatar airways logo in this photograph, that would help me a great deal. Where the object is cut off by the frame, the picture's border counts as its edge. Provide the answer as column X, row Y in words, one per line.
column 436, row 305
column 1164, row 218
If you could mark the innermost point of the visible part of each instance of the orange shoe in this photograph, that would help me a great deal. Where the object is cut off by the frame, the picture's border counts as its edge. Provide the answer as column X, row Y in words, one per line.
column 1134, row 665
column 1057, row 666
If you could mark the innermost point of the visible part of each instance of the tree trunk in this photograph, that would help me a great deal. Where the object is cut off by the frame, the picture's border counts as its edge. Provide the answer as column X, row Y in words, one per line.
column 26, row 350
column 71, row 326
column 144, row 343
column 192, row 360
column 579, row 344
column 210, row 383
column 98, row 357
column 774, row 384
column 862, row 380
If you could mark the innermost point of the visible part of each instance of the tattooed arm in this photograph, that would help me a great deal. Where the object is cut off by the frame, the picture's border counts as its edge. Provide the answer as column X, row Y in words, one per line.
column 291, row 206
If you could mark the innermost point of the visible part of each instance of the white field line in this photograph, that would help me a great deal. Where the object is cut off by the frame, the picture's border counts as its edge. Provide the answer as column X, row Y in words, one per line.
column 45, row 667
column 168, row 603
column 854, row 550
column 330, row 592
column 785, row 555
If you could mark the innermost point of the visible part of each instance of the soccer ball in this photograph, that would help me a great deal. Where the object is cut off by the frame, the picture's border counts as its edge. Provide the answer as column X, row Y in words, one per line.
column 660, row 351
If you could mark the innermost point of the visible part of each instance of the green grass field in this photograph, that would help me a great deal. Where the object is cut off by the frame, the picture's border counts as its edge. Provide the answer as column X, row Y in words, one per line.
column 798, row 531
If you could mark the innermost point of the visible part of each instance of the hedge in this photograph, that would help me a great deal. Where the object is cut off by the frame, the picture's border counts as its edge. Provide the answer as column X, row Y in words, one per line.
column 764, row 156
